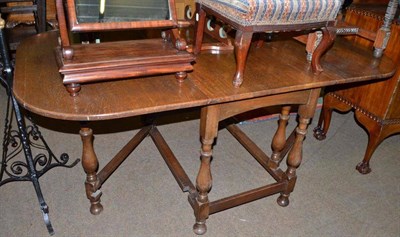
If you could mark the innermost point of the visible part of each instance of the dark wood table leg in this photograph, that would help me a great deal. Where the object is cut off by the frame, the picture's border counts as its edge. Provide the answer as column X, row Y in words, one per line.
column 208, row 132
column 294, row 160
column 90, row 164
column 279, row 139
column 306, row 112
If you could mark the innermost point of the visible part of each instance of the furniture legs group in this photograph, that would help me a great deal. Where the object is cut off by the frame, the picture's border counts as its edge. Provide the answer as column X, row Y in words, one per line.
column 210, row 118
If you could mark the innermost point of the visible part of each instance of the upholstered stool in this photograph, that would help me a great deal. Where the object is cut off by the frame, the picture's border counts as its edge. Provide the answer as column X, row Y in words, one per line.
column 251, row 16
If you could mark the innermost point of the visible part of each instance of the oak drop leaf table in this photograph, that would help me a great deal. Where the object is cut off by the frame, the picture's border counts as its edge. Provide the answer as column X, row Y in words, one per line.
column 276, row 74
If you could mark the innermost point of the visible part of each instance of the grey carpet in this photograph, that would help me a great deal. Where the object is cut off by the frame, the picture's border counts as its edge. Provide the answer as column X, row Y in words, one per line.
column 142, row 199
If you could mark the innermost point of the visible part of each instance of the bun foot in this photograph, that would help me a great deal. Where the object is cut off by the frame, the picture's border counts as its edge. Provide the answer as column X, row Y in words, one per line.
column 96, row 208
column 283, row 200
column 181, row 76
column 200, row 228
column 319, row 134
column 363, row 168
column 73, row 89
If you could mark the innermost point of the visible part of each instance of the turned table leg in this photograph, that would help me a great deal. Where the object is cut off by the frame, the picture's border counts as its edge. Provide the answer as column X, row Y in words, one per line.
column 208, row 131
column 90, row 164
column 305, row 112
column 279, row 139
column 294, row 160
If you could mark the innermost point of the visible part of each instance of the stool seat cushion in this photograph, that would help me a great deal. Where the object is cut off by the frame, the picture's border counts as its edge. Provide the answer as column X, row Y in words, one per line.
column 275, row 12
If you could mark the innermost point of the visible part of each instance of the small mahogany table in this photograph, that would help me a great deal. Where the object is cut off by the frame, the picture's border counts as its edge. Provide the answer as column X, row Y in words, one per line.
column 277, row 74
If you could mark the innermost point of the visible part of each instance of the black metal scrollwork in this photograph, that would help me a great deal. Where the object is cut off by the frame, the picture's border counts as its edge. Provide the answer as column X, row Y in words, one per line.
column 13, row 169
column 15, row 141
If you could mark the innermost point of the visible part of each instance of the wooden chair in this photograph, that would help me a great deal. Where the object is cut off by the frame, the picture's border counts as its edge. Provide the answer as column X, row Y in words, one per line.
column 31, row 13
column 375, row 105
column 255, row 16
column 380, row 37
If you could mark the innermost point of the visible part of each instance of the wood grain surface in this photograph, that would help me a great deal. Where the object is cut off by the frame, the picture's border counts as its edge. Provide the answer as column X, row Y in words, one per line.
column 278, row 67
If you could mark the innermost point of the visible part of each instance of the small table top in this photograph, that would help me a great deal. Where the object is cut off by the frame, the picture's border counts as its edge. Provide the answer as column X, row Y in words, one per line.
column 278, row 67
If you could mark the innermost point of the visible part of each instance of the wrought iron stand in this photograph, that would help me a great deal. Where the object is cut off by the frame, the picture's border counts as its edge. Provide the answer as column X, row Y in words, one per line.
column 24, row 138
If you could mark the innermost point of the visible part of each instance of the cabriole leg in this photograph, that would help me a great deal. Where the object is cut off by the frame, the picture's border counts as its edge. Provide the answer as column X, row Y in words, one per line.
column 329, row 35
column 242, row 46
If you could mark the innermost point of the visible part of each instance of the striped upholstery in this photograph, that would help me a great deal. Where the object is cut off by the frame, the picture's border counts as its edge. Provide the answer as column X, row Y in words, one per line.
column 275, row 12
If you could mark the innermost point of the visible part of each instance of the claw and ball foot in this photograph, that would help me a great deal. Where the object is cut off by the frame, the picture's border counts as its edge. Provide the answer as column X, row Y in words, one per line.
column 319, row 134
column 363, row 168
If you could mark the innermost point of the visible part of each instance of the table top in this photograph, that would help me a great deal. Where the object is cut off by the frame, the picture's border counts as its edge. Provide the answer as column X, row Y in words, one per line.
column 278, row 67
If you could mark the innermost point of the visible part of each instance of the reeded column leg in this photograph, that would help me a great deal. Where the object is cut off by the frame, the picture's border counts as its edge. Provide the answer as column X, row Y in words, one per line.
column 294, row 160
column 90, row 164
column 279, row 139
column 208, row 130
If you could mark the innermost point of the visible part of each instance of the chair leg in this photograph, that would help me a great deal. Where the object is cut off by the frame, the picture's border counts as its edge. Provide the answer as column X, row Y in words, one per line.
column 376, row 135
column 41, row 11
column 383, row 34
column 329, row 35
column 242, row 45
column 324, row 119
column 373, row 143
column 331, row 102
